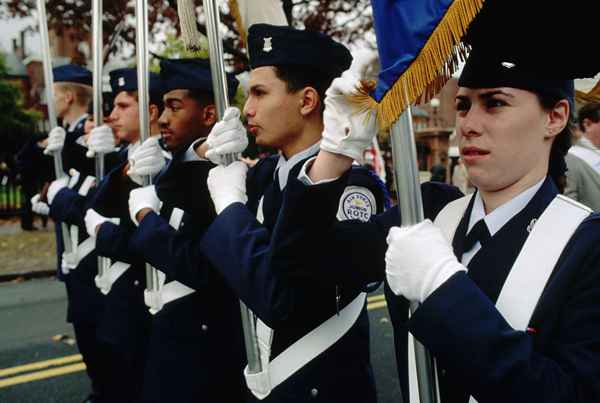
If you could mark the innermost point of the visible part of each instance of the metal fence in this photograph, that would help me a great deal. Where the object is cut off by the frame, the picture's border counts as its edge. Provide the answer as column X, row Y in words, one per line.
column 11, row 196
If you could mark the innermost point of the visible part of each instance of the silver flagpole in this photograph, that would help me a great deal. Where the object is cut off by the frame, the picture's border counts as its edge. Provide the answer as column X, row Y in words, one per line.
column 408, row 188
column 98, row 56
column 59, row 171
column 143, row 78
column 217, row 68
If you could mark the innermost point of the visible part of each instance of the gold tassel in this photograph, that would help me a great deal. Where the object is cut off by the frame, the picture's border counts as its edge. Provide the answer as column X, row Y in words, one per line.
column 429, row 72
column 234, row 10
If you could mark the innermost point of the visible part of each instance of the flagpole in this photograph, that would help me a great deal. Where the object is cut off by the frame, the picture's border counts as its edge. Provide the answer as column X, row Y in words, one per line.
column 98, row 58
column 59, row 171
column 408, row 188
column 143, row 78
column 217, row 68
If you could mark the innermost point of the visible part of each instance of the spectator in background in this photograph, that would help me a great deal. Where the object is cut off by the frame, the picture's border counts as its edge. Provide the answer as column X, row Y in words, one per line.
column 583, row 159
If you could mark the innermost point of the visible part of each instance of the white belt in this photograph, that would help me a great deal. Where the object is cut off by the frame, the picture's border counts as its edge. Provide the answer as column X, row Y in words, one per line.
column 111, row 275
column 302, row 351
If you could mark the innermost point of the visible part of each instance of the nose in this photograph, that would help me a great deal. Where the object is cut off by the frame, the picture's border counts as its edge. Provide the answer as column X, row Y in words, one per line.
column 470, row 123
column 249, row 110
column 163, row 120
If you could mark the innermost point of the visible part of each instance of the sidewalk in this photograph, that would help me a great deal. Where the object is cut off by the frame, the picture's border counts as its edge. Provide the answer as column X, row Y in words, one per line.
column 26, row 253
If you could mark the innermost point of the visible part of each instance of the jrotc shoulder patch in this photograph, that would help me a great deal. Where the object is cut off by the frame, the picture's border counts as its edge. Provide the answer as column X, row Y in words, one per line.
column 357, row 203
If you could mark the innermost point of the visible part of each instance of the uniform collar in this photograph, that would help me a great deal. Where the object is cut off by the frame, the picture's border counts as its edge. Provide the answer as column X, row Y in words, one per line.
column 285, row 166
column 501, row 215
column 76, row 122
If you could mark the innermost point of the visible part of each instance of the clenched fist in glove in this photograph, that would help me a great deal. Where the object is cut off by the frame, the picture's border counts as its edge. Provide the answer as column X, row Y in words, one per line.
column 347, row 130
column 93, row 221
column 147, row 159
column 143, row 198
column 419, row 259
column 228, row 136
column 227, row 185
column 101, row 141
column 38, row 206
column 56, row 140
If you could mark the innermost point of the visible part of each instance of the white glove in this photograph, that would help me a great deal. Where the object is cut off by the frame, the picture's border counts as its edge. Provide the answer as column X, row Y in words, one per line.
column 142, row 198
column 228, row 136
column 39, row 207
column 101, row 141
column 56, row 140
column 147, row 159
column 58, row 184
column 419, row 259
column 93, row 220
column 227, row 185
column 347, row 130
column 69, row 262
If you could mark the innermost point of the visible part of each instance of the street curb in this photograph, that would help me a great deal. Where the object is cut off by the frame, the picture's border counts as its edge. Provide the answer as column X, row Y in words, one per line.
column 27, row 275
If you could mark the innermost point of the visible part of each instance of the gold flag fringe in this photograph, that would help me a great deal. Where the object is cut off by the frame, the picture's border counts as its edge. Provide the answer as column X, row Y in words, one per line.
column 433, row 66
column 587, row 97
column 234, row 10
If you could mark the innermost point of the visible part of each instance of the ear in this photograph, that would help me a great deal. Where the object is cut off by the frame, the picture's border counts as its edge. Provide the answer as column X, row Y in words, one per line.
column 585, row 123
column 209, row 115
column 310, row 101
column 154, row 113
column 69, row 97
column 558, row 118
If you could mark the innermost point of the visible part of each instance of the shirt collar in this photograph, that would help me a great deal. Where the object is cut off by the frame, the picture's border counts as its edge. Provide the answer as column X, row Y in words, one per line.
column 190, row 153
column 587, row 143
column 501, row 215
column 285, row 166
column 74, row 123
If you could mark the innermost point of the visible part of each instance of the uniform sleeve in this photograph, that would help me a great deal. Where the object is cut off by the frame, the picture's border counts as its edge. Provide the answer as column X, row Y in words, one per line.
column 68, row 206
column 460, row 325
column 174, row 253
column 114, row 242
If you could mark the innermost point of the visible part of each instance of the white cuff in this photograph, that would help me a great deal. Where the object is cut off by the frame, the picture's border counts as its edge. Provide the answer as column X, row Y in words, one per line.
column 305, row 179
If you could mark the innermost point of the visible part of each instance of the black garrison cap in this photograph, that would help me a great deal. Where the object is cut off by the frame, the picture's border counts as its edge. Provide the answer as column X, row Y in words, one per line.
column 72, row 73
column 271, row 45
column 486, row 69
column 191, row 74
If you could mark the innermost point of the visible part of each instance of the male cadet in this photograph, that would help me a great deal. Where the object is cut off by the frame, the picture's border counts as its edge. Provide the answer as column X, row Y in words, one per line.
column 66, row 197
column 196, row 347
column 583, row 159
column 125, row 323
column 314, row 333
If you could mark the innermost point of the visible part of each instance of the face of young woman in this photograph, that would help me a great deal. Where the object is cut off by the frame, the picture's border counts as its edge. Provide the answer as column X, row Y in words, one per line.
column 504, row 139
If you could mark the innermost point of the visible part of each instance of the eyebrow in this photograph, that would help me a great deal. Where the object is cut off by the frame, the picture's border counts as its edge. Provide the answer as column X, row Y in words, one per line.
column 172, row 99
column 257, row 87
column 490, row 94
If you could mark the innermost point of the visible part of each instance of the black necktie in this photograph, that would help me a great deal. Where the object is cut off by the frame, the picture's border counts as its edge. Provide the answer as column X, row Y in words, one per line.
column 480, row 233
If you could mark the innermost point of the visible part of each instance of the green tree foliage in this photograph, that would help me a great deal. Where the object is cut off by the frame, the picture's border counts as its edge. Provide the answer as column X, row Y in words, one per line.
column 16, row 124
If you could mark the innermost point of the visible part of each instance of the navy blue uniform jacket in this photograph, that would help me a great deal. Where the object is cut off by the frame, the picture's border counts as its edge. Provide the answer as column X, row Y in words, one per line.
column 293, row 294
column 477, row 352
column 196, row 348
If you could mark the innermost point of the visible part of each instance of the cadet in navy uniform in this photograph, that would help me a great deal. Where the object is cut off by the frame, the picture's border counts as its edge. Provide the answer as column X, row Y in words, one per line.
column 125, row 323
column 291, row 69
column 67, row 198
column 196, row 349
column 507, row 279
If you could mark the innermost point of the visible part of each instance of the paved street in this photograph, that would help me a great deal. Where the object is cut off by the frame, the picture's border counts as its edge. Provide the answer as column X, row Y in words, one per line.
column 35, row 368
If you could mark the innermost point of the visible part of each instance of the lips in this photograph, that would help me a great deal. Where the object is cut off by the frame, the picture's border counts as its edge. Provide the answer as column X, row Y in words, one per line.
column 472, row 154
column 253, row 129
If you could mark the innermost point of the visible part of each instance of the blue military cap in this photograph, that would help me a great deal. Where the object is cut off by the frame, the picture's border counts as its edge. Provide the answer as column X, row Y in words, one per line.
column 125, row 79
column 191, row 74
column 72, row 73
column 271, row 45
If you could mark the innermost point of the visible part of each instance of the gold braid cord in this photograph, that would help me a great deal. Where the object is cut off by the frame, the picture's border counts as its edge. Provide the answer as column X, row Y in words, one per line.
column 431, row 69
column 593, row 96
column 186, row 9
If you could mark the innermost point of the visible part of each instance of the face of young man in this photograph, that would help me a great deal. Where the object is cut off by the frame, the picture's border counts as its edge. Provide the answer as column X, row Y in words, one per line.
column 125, row 117
column 272, row 112
column 62, row 100
column 184, row 119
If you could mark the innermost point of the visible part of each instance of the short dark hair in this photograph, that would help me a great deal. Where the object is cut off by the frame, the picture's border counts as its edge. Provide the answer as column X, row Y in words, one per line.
column 589, row 111
column 562, row 142
column 155, row 99
column 299, row 77
column 202, row 97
